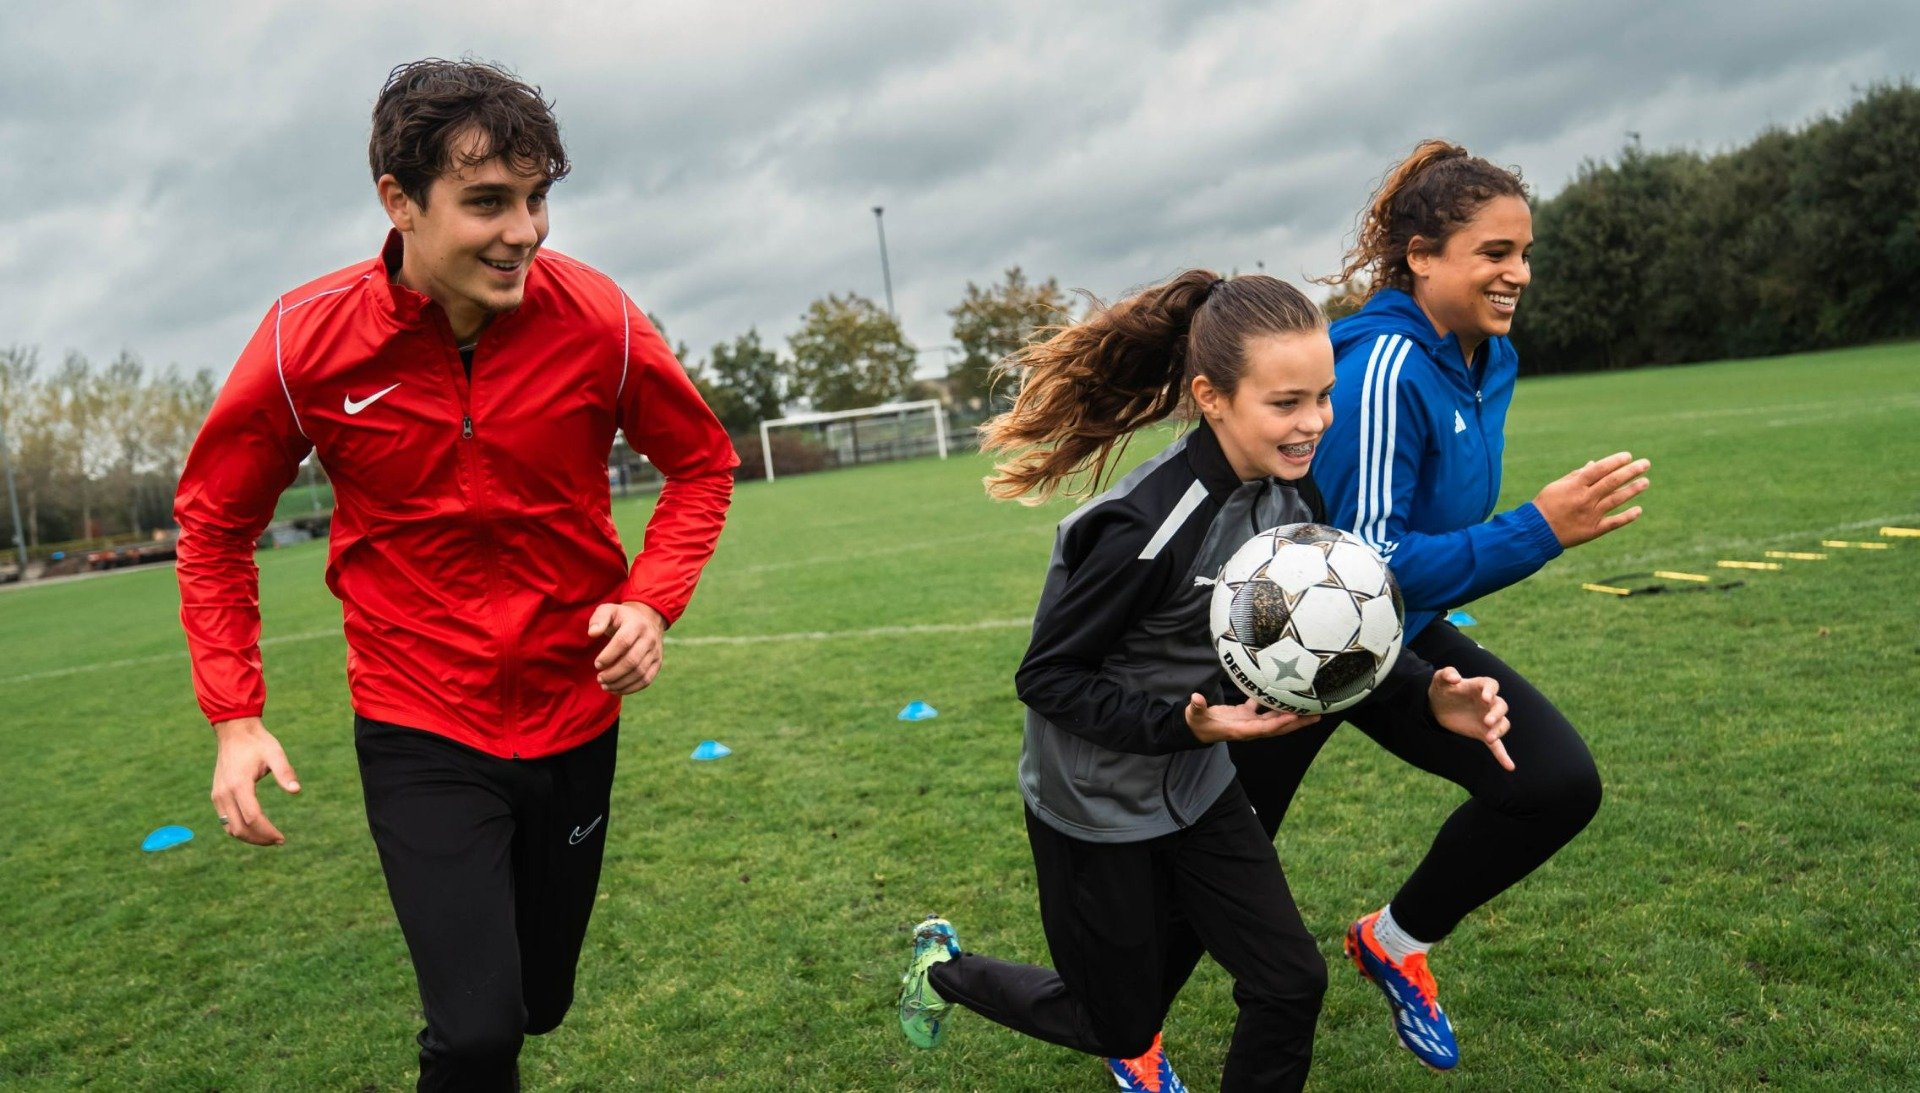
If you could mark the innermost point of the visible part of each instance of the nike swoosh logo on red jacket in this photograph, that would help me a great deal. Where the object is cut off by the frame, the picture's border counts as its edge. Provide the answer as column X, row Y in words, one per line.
column 472, row 533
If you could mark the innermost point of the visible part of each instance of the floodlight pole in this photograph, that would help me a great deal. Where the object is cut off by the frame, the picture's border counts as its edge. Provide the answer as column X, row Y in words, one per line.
column 13, row 499
column 886, row 274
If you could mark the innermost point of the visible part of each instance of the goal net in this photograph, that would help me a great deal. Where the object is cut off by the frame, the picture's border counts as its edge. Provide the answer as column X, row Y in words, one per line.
column 842, row 438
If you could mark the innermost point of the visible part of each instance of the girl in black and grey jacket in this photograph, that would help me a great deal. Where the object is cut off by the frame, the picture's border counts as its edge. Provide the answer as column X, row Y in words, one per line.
column 1145, row 846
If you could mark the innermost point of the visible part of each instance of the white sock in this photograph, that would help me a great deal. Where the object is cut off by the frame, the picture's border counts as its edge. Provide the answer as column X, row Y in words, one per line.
column 1398, row 944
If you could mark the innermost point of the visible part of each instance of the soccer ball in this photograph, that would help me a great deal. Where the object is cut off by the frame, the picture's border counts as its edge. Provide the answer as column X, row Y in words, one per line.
column 1306, row 618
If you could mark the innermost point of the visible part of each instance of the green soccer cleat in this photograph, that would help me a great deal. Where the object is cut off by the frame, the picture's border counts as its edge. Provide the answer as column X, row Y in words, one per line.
column 923, row 1013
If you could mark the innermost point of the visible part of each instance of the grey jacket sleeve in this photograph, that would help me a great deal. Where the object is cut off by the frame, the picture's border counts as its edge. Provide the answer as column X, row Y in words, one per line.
column 1108, row 588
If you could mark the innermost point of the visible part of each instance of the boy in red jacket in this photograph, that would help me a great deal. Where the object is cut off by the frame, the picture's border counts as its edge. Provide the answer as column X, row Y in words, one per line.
column 463, row 390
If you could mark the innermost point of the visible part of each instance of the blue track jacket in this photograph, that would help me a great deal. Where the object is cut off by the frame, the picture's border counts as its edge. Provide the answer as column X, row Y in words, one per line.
column 1412, row 461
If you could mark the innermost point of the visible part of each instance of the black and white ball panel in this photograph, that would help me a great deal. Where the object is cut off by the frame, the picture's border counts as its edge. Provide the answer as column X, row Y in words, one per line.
column 1306, row 618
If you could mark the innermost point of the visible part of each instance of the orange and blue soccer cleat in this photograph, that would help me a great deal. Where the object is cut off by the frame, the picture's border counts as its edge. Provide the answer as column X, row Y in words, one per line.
column 1418, row 1020
column 1149, row 1073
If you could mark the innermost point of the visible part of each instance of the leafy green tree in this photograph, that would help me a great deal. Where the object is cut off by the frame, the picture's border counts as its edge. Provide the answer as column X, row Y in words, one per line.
column 748, row 382
column 680, row 351
column 1803, row 239
column 1858, row 228
column 180, row 404
column 1603, row 265
column 710, row 392
column 849, row 352
column 127, row 421
column 19, row 367
column 78, row 404
column 993, row 323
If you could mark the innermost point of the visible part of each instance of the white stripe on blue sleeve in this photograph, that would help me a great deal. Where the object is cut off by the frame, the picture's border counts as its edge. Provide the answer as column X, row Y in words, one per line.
column 1379, row 418
column 1392, row 401
column 1363, row 478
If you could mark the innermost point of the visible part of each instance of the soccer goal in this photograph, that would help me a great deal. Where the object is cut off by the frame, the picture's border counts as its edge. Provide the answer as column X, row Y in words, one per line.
column 842, row 438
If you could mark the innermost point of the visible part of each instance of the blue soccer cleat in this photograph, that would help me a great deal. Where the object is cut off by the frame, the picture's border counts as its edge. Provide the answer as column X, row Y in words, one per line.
column 1418, row 1020
column 1149, row 1073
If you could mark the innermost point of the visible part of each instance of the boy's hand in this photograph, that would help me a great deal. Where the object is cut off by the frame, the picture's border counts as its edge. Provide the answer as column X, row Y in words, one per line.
column 632, row 654
column 247, row 753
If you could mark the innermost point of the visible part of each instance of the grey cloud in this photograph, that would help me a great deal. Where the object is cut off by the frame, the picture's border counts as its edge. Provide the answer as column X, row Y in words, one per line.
column 184, row 164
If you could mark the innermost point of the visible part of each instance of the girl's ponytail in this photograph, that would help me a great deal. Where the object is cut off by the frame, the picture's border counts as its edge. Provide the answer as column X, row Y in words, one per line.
column 1093, row 383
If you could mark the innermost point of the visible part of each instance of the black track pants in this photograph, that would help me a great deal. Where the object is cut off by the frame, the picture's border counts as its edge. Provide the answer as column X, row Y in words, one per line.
column 1512, row 823
column 1116, row 914
column 492, row 865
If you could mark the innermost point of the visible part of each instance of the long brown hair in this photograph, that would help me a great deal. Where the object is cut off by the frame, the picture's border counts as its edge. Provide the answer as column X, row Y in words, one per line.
column 1426, row 197
column 1086, row 388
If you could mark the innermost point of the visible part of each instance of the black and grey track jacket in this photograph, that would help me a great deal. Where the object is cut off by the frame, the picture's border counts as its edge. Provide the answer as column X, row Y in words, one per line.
column 1120, row 641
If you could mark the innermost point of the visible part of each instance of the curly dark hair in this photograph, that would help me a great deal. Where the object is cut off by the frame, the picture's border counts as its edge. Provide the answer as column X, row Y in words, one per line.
column 427, row 105
column 1426, row 197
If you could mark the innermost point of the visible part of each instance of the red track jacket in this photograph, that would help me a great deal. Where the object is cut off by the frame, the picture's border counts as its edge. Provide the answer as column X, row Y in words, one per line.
column 472, row 530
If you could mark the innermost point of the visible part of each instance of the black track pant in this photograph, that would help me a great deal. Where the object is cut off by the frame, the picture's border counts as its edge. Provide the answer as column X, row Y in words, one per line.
column 492, row 865
column 1117, row 914
column 1512, row 823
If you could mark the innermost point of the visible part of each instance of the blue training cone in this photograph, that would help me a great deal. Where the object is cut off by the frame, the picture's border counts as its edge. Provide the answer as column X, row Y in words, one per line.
column 918, row 711
column 163, row 837
column 1461, row 618
column 711, row 749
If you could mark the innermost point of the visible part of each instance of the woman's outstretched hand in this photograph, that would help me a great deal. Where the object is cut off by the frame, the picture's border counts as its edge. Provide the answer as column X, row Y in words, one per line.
column 1579, row 507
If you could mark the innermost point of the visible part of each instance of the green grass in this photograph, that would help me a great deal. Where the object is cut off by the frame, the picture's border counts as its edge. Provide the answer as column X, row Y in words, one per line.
column 1741, row 913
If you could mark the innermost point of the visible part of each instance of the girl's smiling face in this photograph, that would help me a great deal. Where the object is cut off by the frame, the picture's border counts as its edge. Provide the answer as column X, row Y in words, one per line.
column 1272, row 421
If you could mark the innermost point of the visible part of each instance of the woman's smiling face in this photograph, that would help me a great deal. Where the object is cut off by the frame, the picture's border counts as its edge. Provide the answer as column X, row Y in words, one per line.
column 1471, row 286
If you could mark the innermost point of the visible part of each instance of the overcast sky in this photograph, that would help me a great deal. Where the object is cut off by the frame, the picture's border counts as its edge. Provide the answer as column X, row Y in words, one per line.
column 169, row 168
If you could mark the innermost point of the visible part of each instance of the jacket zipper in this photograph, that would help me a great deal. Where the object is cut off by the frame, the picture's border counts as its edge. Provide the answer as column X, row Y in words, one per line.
column 1486, row 452
column 483, row 527
column 1475, row 373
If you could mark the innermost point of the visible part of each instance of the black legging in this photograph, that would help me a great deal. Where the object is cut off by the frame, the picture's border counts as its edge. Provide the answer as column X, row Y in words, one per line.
column 1511, row 825
column 1125, row 923
column 1513, row 822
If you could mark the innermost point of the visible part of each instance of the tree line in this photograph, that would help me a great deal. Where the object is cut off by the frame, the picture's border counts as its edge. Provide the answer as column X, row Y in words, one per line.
column 849, row 352
column 1805, row 238
column 95, row 449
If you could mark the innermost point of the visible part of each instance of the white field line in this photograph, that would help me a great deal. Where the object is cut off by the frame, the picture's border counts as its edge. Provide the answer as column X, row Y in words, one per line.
column 728, row 639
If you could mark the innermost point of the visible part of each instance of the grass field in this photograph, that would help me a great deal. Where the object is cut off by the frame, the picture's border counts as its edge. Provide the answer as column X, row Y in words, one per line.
column 1741, row 914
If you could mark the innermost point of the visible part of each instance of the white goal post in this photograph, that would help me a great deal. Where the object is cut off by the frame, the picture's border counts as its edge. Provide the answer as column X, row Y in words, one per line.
column 840, row 430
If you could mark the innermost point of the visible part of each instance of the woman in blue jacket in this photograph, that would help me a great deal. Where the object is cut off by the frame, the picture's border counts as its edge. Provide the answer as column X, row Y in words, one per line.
column 1411, row 463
